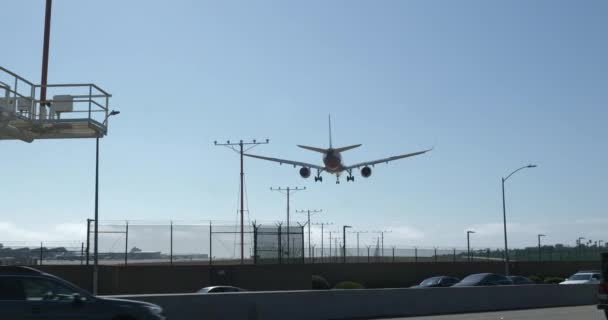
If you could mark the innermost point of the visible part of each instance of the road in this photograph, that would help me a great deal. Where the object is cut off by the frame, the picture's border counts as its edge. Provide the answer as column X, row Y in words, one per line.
column 568, row 313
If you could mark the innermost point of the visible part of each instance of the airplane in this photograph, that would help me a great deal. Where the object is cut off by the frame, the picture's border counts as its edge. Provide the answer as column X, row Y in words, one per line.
column 332, row 160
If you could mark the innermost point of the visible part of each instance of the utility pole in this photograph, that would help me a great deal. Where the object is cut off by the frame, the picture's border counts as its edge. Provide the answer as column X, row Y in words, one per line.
column 382, row 232
column 344, row 242
column 323, row 235
column 241, row 150
column 308, row 212
column 357, row 232
column 330, row 253
column 539, row 247
column 288, row 191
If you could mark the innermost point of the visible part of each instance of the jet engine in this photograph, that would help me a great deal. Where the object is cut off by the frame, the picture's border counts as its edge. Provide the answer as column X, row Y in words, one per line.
column 366, row 172
column 305, row 172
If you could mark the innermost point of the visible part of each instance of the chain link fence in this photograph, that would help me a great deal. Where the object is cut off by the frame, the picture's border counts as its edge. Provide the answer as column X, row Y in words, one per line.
column 174, row 242
column 49, row 252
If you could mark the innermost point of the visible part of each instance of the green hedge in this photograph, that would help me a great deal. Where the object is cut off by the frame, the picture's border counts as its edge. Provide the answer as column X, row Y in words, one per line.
column 319, row 283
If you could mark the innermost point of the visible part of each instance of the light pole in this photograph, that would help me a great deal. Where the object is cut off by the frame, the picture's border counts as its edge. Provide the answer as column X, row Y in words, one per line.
column 539, row 247
column 469, row 243
column 344, row 243
column 504, row 215
column 96, row 244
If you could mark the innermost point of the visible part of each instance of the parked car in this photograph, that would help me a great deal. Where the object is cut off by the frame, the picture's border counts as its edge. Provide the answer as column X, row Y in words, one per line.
column 28, row 293
column 484, row 279
column 584, row 277
column 519, row 280
column 220, row 289
column 603, row 287
column 437, row 282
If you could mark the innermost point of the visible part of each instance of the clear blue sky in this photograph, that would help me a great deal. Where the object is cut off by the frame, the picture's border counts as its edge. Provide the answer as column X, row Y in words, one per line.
column 493, row 85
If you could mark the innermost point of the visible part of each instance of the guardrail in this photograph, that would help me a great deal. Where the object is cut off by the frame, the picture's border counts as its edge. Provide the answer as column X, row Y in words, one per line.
column 367, row 303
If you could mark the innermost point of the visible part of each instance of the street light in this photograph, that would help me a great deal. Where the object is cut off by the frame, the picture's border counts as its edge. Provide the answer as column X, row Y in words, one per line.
column 469, row 244
column 344, row 243
column 539, row 247
column 504, row 215
column 96, row 245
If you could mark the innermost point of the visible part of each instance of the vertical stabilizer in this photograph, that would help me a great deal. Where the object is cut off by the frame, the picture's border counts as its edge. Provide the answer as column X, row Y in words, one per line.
column 330, row 144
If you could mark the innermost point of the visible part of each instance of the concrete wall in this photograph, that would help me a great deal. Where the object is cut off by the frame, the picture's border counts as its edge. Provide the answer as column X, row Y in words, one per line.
column 141, row 279
column 180, row 279
column 365, row 304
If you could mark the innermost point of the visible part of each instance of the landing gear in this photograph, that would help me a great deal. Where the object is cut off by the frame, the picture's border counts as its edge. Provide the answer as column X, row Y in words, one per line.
column 350, row 176
column 318, row 178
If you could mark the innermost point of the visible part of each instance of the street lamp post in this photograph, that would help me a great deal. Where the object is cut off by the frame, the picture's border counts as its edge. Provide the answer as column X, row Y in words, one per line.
column 539, row 247
column 96, row 237
column 344, row 243
column 469, row 244
column 504, row 215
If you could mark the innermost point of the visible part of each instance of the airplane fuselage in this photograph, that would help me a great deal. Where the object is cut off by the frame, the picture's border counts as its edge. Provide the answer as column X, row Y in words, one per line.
column 332, row 161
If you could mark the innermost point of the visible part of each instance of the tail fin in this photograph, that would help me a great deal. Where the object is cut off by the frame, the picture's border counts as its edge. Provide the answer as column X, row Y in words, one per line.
column 330, row 145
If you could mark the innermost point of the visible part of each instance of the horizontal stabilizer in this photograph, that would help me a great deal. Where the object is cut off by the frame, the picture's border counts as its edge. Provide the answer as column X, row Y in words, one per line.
column 321, row 150
column 347, row 148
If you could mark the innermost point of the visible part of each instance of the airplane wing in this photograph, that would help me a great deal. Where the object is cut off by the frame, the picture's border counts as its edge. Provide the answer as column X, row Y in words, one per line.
column 385, row 160
column 281, row 161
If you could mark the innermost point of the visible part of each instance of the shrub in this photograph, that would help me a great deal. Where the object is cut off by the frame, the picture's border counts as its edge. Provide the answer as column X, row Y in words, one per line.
column 553, row 280
column 536, row 279
column 319, row 283
column 349, row 285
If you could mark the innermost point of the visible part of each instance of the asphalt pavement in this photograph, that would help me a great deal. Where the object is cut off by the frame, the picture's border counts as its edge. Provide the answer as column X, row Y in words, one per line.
column 567, row 313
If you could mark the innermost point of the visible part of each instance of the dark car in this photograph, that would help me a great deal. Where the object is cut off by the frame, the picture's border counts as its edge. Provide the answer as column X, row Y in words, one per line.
column 220, row 289
column 438, row 282
column 27, row 293
column 519, row 280
column 484, row 279
column 603, row 287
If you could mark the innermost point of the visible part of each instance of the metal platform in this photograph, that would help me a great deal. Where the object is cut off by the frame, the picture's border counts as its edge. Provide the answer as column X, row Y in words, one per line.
column 72, row 110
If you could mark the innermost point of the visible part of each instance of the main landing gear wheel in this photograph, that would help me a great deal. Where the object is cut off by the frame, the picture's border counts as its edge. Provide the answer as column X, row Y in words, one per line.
column 320, row 179
column 350, row 178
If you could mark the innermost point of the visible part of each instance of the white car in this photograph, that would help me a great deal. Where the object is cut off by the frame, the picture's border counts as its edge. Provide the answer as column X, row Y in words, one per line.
column 584, row 277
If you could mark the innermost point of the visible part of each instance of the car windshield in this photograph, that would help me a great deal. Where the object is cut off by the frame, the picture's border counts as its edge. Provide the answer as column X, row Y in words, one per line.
column 581, row 276
column 474, row 278
column 430, row 281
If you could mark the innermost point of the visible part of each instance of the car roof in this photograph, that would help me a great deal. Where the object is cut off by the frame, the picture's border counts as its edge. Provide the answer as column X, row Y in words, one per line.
column 19, row 270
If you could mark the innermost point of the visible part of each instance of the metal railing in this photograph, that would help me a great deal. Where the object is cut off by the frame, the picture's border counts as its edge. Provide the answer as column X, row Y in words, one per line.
column 70, row 104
